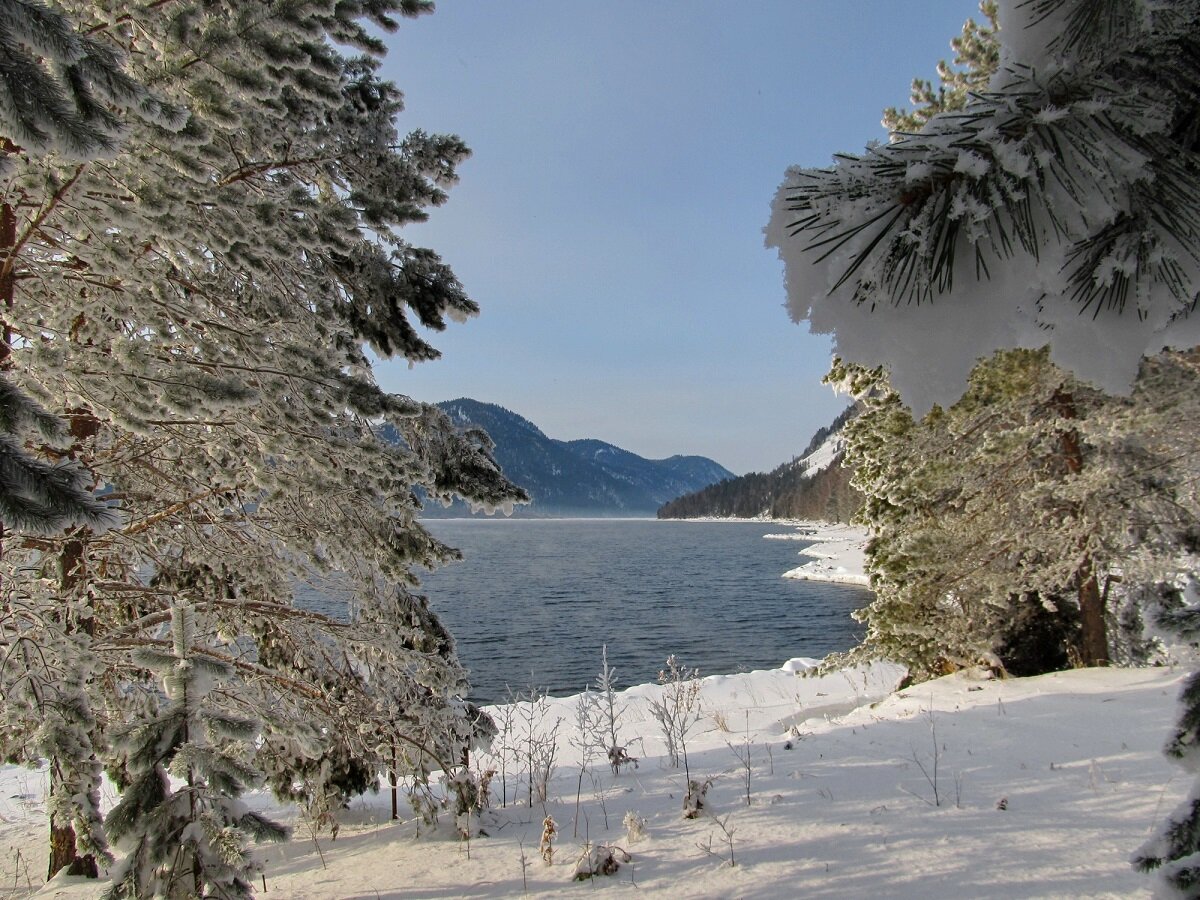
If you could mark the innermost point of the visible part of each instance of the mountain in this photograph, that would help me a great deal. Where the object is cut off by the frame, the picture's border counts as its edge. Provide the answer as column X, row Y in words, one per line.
column 577, row 478
column 812, row 486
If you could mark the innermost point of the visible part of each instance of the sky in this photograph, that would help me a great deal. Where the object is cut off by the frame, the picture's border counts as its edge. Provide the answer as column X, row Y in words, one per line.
column 610, row 220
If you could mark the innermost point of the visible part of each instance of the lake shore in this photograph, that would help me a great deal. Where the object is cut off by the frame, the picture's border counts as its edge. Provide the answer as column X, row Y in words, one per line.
column 821, row 787
column 837, row 551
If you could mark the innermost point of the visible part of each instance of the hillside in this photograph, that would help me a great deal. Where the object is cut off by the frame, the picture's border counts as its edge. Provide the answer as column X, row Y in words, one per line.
column 578, row 478
column 812, row 486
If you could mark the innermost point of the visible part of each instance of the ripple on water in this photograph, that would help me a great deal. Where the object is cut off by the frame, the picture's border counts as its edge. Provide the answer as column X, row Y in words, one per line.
column 534, row 602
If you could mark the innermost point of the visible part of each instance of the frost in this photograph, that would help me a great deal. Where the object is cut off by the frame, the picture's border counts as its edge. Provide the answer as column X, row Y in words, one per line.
column 918, row 171
column 972, row 164
column 1047, row 193
column 1048, row 115
column 199, row 302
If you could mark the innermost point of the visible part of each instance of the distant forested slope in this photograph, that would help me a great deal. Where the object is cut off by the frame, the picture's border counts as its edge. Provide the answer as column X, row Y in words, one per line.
column 814, row 486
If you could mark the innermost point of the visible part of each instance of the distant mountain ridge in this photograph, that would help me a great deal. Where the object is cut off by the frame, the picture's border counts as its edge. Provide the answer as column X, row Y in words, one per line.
column 814, row 486
column 577, row 478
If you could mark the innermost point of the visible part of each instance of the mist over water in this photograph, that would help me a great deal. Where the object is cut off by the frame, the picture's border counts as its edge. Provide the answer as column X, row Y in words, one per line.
column 534, row 600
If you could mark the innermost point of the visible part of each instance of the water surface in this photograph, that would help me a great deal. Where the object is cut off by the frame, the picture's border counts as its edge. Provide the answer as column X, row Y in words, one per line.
column 534, row 600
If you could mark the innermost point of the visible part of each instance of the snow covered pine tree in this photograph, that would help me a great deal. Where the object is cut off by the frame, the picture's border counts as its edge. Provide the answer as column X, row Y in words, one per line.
column 189, row 842
column 202, row 201
column 1059, row 208
column 59, row 92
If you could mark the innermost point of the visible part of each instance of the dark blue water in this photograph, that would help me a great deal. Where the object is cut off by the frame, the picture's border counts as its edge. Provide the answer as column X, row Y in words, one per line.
column 534, row 600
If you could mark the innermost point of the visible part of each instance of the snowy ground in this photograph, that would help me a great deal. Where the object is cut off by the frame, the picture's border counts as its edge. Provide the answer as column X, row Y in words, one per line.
column 1042, row 788
column 838, row 552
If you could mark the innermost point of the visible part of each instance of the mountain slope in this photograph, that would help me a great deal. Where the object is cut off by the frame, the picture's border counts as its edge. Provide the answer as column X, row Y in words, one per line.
column 812, row 486
column 582, row 477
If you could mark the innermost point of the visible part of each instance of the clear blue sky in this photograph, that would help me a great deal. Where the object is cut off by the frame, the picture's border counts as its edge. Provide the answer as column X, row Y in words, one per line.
column 610, row 220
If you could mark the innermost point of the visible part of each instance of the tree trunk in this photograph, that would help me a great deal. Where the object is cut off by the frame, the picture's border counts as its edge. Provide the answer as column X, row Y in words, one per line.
column 1093, row 645
column 72, row 566
column 63, row 852
column 392, row 782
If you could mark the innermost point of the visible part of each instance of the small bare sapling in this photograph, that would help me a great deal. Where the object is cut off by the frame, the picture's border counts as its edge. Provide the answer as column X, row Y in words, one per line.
column 677, row 709
column 929, row 767
column 743, row 755
column 503, row 743
column 727, row 832
column 536, row 743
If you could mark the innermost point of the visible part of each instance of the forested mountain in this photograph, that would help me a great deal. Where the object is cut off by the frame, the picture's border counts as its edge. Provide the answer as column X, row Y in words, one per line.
column 577, row 478
column 814, row 486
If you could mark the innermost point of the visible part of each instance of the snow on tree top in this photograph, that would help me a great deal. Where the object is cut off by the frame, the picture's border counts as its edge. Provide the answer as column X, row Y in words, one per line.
column 1060, row 208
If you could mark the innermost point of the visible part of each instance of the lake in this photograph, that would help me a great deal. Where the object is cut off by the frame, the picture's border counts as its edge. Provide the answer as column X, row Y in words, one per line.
column 535, row 600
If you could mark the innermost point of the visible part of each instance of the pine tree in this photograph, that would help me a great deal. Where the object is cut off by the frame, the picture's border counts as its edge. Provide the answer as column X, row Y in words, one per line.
column 199, row 308
column 976, row 58
column 1057, row 207
column 38, row 496
column 979, row 526
column 62, row 91
column 191, row 841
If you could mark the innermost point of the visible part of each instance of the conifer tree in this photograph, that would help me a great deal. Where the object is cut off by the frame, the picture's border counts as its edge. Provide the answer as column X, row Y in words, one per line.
column 1058, row 208
column 39, row 496
column 198, row 305
column 976, row 58
column 190, row 841
column 978, row 524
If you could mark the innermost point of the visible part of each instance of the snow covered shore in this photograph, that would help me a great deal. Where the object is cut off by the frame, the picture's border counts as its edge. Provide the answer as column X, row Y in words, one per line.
column 1043, row 787
column 823, row 787
column 838, row 553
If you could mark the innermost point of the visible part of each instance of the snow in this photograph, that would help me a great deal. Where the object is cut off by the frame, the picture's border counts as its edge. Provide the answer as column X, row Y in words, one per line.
column 1044, row 787
column 825, row 454
column 838, row 265
column 837, row 555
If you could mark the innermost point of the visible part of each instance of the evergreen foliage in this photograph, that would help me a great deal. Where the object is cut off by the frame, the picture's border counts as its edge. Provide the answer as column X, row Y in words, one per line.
column 63, row 91
column 1059, row 206
column 190, row 841
column 1047, row 203
column 976, row 58
column 39, row 496
column 980, row 528
column 197, row 306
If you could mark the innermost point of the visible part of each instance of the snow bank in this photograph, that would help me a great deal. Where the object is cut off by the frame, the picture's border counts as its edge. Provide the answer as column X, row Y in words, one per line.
column 1044, row 787
column 837, row 555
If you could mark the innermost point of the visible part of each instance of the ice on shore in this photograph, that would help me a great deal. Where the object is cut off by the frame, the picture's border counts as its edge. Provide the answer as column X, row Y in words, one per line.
column 836, row 555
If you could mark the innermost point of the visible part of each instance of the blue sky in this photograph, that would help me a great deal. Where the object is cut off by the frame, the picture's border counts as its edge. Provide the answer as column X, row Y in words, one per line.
column 610, row 220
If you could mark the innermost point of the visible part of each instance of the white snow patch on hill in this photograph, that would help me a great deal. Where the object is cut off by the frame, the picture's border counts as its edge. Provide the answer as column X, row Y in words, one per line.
column 824, row 456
